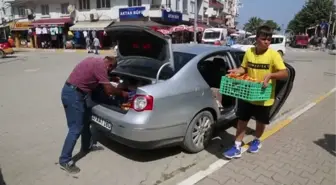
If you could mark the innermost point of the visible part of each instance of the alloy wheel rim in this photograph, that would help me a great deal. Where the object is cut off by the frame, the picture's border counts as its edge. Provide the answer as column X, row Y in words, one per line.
column 201, row 131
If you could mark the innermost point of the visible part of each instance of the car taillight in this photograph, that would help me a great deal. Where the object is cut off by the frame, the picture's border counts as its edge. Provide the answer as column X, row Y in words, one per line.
column 217, row 43
column 142, row 103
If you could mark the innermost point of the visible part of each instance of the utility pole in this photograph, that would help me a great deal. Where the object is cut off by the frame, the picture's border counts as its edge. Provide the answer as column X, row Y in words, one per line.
column 329, row 23
column 195, row 21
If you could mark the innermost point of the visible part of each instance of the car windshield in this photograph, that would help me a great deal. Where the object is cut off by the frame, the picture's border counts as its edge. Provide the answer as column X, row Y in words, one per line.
column 147, row 67
column 211, row 35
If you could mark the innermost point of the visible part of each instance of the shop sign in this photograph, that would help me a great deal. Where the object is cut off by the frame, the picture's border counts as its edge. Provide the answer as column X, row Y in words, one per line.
column 22, row 25
column 131, row 12
column 171, row 16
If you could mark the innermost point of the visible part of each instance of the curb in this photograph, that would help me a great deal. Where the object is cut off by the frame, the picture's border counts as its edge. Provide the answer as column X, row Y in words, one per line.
column 59, row 50
column 278, row 125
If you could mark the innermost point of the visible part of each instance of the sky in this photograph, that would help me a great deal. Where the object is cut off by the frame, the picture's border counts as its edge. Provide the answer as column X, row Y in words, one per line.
column 281, row 11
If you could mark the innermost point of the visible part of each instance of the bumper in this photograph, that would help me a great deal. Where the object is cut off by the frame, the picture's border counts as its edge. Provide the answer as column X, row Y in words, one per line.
column 137, row 132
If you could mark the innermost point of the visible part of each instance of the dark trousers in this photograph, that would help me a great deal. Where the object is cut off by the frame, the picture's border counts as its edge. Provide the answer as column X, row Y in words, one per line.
column 78, row 115
column 96, row 49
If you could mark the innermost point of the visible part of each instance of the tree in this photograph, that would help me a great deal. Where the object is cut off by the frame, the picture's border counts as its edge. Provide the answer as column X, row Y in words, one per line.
column 273, row 25
column 254, row 22
column 312, row 13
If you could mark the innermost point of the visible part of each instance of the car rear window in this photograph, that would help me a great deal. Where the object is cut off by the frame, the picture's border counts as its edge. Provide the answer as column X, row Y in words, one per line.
column 147, row 67
column 211, row 35
column 3, row 41
column 142, row 45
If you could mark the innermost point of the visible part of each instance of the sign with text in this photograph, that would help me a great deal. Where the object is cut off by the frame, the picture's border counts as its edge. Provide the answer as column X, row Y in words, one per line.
column 171, row 16
column 131, row 12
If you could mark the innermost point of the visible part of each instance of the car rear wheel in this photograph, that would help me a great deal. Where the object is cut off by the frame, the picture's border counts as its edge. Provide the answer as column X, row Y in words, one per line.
column 199, row 132
column 2, row 54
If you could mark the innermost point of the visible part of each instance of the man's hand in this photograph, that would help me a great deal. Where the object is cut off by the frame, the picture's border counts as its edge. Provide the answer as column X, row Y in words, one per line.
column 238, row 71
column 267, row 78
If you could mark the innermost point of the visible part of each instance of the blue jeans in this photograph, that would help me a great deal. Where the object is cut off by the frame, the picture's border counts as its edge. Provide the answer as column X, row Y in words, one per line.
column 78, row 120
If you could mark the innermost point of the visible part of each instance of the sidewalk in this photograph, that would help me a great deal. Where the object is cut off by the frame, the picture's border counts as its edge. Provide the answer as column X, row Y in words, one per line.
column 59, row 50
column 303, row 153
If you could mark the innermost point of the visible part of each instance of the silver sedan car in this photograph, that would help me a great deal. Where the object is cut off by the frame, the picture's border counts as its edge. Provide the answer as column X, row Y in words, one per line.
column 174, row 102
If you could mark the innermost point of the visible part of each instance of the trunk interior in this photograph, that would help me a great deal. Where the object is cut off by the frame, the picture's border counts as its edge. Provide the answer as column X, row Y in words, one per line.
column 127, row 83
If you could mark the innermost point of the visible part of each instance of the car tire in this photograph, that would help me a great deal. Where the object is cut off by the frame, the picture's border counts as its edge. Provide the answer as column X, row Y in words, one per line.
column 202, row 124
column 281, row 53
column 2, row 54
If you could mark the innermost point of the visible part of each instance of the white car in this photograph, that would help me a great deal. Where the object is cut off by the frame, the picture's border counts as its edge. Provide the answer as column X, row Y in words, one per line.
column 278, row 43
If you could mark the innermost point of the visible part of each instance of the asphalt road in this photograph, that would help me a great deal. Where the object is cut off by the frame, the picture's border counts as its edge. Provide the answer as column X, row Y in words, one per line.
column 33, row 125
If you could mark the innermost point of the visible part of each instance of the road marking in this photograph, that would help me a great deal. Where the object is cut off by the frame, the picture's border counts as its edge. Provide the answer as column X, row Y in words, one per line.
column 279, row 124
column 31, row 70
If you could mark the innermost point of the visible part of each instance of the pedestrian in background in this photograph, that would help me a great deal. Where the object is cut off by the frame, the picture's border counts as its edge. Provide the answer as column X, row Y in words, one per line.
column 263, row 64
column 88, row 44
column 96, row 44
column 84, row 78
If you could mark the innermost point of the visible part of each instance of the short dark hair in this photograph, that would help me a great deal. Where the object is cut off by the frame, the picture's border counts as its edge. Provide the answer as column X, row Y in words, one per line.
column 111, row 59
column 264, row 30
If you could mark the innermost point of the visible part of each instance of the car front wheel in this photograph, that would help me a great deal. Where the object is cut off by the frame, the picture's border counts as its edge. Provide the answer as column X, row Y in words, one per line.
column 199, row 132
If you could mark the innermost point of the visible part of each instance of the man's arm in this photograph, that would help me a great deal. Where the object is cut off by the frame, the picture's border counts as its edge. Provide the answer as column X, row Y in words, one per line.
column 102, row 77
column 280, row 67
column 242, row 69
column 281, row 70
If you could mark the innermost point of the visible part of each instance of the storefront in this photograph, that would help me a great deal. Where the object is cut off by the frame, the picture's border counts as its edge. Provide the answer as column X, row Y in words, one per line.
column 5, row 30
column 91, row 29
column 51, row 33
column 22, row 34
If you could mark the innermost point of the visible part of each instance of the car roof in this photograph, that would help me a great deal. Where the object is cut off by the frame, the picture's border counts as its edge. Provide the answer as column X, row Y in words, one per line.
column 201, row 48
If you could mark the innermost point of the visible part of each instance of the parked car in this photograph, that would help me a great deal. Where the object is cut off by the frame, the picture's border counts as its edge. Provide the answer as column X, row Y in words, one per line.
column 215, row 36
column 278, row 43
column 173, row 104
column 5, row 48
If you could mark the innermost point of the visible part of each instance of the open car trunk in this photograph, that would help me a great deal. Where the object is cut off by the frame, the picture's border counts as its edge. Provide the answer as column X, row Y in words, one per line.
column 141, row 42
column 141, row 53
column 127, row 82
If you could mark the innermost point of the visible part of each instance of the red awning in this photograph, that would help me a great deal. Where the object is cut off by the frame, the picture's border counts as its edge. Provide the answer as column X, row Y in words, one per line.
column 51, row 22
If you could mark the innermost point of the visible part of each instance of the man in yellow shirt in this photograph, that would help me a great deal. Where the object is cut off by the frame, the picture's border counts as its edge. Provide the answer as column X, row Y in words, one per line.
column 266, row 65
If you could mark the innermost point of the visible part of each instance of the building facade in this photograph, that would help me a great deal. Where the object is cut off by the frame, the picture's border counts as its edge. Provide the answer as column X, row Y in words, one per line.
column 33, row 20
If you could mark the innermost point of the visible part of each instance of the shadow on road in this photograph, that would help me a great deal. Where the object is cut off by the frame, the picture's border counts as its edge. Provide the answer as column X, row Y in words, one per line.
column 2, row 181
column 223, row 140
column 10, row 56
column 328, row 143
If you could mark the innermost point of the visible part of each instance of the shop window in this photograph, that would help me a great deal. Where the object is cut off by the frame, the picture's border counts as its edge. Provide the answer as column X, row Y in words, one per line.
column 192, row 7
column 21, row 11
column 178, row 6
column 84, row 4
column 134, row 2
column 168, row 3
column 45, row 9
column 103, row 3
column 64, row 8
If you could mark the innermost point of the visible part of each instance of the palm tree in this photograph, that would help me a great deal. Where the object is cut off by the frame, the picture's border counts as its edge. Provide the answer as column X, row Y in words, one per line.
column 252, row 24
column 273, row 25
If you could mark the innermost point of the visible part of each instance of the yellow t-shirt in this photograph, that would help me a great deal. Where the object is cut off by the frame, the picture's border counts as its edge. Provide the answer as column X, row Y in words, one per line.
column 258, row 66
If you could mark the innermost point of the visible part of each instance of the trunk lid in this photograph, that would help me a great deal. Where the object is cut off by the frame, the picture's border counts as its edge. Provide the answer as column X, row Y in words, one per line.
column 137, row 41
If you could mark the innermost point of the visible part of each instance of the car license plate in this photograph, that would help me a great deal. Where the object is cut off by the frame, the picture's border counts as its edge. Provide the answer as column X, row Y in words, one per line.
column 101, row 122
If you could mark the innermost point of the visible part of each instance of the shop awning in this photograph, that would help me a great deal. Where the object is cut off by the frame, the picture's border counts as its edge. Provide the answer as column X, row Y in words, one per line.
column 139, row 23
column 51, row 22
column 21, row 25
column 86, row 25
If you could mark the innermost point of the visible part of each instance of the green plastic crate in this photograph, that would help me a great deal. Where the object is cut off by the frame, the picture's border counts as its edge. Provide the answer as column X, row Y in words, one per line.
column 245, row 90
